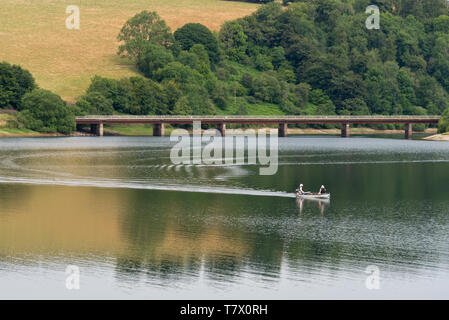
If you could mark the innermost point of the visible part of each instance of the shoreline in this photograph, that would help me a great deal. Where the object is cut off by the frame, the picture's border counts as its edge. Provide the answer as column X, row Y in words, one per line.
column 291, row 131
column 6, row 134
column 438, row 137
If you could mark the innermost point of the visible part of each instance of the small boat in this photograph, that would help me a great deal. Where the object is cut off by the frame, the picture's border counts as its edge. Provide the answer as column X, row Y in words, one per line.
column 310, row 195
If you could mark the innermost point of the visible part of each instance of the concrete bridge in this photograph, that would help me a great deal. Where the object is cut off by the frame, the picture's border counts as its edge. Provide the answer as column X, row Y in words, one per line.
column 96, row 122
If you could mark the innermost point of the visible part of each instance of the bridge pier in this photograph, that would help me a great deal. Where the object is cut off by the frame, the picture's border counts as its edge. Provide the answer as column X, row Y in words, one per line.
column 345, row 130
column 97, row 129
column 282, row 130
column 408, row 131
column 222, row 128
column 159, row 130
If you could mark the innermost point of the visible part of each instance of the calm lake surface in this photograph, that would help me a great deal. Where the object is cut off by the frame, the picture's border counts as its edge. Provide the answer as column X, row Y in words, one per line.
column 118, row 209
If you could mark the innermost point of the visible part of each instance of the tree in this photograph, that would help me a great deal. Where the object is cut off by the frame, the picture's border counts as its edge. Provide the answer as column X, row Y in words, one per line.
column 356, row 106
column 322, row 101
column 196, row 58
column 267, row 88
column 196, row 102
column 443, row 125
column 15, row 82
column 183, row 107
column 441, row 24
column 247, row 80
column 106, row 87
column 262, row 62
column 140, row 31
column 44, row 111
column 154, row 58
column 177, row 72
column 141, row 97
column 172, row 93
column 94, row 103
column 233, row 40
column 196, row 33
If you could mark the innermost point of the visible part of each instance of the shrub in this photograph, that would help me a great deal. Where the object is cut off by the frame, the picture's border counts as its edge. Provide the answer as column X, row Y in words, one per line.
column 44, row 111
column 14, row 124
column 242, row 110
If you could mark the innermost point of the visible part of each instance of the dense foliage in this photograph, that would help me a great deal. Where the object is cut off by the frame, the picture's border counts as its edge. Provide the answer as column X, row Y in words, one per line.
column 15, row 82
column 40, row 110
column 443, row 125
column 195, row 33
column 311, row 57
column 399, row 69
column 44, row 111
column 94, row 103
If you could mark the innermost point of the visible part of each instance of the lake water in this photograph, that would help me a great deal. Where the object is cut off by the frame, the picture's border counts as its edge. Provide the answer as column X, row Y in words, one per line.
column 139, row 227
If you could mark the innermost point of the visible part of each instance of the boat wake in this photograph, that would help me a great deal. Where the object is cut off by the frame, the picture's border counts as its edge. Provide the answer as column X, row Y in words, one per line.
column 140, row 186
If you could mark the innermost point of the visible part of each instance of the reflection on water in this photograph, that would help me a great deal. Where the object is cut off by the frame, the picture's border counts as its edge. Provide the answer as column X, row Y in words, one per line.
column 118, row 209
column 322, row 204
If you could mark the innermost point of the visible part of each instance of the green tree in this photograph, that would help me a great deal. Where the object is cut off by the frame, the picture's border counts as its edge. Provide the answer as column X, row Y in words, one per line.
column 177, row 72
column 324, row 105
column 196, row 58
column 108, row 88
column 183, row 107
column 141, row 97
column 196, row 33
column 44, row 111
column 15, row 82
column 154, row 58
column 355, row 106
column 94, row 103
column 267, row 88
column 443, row 125
column 140, row 31
column 233, row 40
column 262, row 62
column 247, row 80
column 441, row 24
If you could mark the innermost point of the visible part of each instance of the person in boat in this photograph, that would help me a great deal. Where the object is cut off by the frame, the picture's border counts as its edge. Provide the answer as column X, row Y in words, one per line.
column 300, row 190
column 322, row 190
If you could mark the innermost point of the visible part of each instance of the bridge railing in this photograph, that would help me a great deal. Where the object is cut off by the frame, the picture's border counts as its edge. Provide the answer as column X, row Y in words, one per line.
column 243, row 117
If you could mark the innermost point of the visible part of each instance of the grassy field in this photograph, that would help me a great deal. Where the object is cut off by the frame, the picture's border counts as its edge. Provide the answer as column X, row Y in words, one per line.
column 33, row 35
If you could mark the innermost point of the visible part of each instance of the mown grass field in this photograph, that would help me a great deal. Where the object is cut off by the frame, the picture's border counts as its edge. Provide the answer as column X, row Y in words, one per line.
column 33, row 34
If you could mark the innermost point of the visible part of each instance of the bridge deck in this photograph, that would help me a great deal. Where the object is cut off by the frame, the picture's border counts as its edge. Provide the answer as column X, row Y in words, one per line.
column 254, row 119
